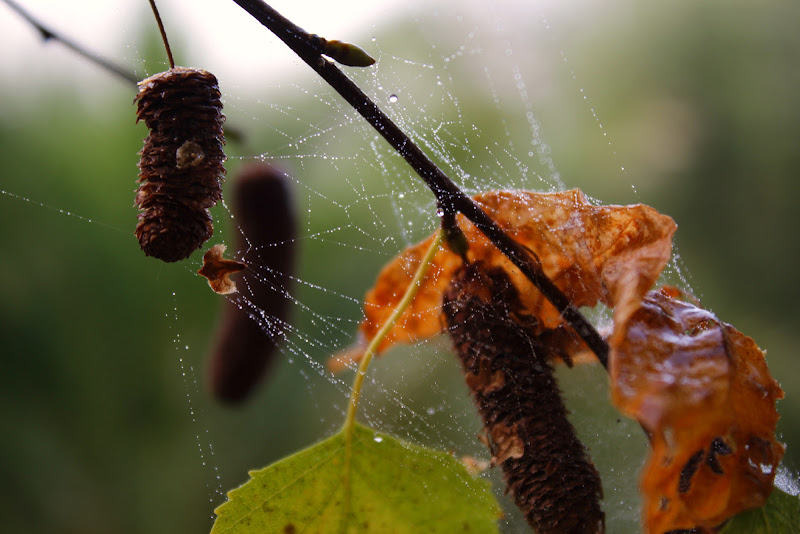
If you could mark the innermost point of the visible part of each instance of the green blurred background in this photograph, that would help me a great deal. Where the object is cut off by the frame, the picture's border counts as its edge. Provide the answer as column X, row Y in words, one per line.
column 107, row 423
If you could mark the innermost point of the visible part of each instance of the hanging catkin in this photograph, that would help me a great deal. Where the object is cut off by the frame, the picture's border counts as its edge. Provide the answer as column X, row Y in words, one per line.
column 545, row 465
column 181, row 161
column 245, row 348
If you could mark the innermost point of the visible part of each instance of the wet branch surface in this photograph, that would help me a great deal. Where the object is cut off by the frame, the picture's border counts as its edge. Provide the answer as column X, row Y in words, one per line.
column 448, row 195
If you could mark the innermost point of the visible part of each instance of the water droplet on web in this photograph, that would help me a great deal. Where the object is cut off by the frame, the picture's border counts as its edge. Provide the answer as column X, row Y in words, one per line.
column 401, row 195
column 392, row 98
column 431, row 411
column 378, row 439
column 439, row 212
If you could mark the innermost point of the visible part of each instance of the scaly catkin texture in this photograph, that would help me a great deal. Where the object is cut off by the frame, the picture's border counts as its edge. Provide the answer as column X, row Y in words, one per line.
column 181, row 161
column 508, row 371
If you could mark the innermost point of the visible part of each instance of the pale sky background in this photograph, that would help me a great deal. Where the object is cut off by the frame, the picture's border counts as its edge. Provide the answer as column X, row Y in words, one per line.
column 228, row 39
column 221, row 32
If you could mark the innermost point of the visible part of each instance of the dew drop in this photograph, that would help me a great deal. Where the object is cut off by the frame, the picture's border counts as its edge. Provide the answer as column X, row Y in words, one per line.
column 439, row 212
column 392, row 98
column 378, row 439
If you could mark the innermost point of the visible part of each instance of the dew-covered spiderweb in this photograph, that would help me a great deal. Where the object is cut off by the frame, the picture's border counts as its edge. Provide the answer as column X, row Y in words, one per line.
column 463, row 82
column 500, row 95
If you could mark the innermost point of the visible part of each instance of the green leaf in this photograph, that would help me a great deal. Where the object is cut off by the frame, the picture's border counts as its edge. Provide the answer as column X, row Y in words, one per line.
column 780, row 515
column 396, row 487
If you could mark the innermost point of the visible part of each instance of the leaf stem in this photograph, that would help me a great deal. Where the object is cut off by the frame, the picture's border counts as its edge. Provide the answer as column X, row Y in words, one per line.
column 447, row 193
column 361, row 373
column 163, row 33
column 408, row 297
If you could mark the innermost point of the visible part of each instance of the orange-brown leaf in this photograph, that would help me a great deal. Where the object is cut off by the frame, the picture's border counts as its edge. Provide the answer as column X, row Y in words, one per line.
column 218, row 270
column 592, row 253
column 703, row 392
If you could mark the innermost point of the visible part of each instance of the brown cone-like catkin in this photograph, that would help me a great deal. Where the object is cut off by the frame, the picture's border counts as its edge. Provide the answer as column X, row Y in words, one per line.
column 244, row 349
column 181, row 161
column 509, row 373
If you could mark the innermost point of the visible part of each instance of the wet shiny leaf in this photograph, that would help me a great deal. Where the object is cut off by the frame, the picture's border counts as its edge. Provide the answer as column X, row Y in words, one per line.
column 703, row 392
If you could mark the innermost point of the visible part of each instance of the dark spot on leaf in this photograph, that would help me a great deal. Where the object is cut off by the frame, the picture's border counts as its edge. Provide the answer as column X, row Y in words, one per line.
column 289, row 529
column 688, row 471
column 713, row 463
column 663, row 504
column 718, row 447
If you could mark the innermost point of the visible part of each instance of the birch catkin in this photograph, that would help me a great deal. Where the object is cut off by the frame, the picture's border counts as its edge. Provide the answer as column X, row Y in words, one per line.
column 509, row 374
column 245, row 348
column 181, row 161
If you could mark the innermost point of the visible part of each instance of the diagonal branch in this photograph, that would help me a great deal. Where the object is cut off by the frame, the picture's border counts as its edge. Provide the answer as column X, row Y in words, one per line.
column 447, row 193
column 48, row 34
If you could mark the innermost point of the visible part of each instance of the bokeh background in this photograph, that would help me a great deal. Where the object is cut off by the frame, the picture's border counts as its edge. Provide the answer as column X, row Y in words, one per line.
column 107, row 427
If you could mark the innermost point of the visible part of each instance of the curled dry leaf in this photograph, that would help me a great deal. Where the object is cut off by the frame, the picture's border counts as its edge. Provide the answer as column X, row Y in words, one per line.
column 700, row 388
column 592, row 253
column 218, row 270
column 703, row 392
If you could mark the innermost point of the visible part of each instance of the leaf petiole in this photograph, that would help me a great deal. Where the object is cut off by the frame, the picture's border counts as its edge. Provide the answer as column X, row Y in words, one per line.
column 358, row 382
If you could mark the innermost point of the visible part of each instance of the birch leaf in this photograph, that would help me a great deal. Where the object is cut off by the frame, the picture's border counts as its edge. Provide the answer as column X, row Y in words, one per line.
column 395, row 487
column 780, row 515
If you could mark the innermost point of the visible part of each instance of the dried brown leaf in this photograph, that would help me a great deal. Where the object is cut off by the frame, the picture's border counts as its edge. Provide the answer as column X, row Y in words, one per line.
column 592, row 253
column 485, row 381
column 506, row 443
column 703, row 392
column 218, row 270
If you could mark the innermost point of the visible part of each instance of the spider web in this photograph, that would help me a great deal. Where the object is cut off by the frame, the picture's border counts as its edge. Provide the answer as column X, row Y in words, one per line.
column 490, row 93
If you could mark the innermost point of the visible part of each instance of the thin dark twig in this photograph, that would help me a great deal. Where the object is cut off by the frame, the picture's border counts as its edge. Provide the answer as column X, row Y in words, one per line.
column 447, row 193
column 48, row 34
column 163, row 33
